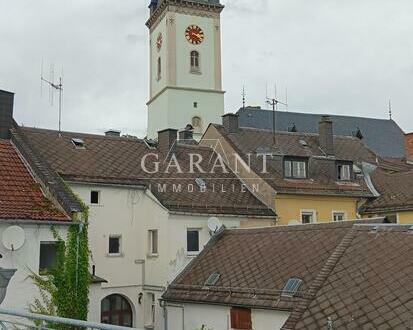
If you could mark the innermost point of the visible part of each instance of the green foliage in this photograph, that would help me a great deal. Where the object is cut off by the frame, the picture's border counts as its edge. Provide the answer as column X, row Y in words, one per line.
column 64, row 291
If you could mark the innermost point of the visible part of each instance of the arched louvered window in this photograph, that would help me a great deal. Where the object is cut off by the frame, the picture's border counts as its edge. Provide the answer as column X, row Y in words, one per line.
column 195, row 61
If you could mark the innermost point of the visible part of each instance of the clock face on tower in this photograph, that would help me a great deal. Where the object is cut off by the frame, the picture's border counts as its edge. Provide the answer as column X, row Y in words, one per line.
column 194, row 34
column 159, row 42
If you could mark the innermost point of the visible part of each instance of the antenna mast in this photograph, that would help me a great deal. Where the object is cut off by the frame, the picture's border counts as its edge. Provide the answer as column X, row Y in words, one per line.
column 243, row 97
column 274, row 103
column 390, row 110
column 54, row 86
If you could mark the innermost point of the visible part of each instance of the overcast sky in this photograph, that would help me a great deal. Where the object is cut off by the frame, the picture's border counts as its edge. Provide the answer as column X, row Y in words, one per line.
column 341, row 57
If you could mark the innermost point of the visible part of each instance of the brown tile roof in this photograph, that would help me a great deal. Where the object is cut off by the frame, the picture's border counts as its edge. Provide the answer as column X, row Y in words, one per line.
column 360, row 276
column 395, row 186
column 117, row 160
column 255, row 265
column 322, row 170
column 20, row 195
column 370, row 285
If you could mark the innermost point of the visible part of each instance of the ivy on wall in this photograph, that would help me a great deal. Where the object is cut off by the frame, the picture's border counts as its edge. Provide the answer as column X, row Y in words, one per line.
column 64, row 291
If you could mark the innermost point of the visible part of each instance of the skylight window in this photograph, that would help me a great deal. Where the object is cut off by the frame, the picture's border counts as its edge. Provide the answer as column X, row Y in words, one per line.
column 78, row 143
column 291, row 287
column 212, row 279
column 200, row 183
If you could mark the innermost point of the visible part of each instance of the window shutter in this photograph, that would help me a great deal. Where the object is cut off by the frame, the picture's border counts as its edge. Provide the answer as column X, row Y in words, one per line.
column 241, row 319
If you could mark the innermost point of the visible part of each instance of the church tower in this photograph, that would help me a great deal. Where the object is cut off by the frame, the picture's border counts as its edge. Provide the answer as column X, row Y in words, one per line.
column 185, row 65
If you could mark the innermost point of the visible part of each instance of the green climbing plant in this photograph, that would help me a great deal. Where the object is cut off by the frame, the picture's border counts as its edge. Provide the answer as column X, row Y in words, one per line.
column 64, row 290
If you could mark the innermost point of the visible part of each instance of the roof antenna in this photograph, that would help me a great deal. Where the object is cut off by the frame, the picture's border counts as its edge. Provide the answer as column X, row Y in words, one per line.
column 286, row 98
column 274, row 103
column 390, row 111
column 58, row 86
column 243, row 97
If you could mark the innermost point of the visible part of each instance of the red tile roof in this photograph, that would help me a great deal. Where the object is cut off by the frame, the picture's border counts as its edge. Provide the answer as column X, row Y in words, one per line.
column 20, row 195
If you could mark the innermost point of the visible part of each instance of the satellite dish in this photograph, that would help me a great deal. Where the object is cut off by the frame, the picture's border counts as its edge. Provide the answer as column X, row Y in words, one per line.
column 214, row 224
column 294, row 223
column 13, row 238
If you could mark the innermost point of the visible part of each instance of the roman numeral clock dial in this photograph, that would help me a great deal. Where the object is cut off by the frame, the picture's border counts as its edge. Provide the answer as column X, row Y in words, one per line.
column 194, row 34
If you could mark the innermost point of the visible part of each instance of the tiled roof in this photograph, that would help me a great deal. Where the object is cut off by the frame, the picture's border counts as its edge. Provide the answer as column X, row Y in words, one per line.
column 383, row 136
column 20, row 195
column 322, row 170
column 254, row 265
column 357, row 276
column 117, row 160
column 368, row 286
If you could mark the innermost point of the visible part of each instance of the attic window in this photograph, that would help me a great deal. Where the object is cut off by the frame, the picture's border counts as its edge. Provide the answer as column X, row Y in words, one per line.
column 78, row 143
column 200, row 183
column 344, row 170
column 303, row 143
column 291, row 287
column 151, row 144
column 212, row 279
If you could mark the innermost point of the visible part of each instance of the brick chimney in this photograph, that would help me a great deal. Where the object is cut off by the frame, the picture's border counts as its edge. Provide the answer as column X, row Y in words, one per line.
column 230, row 122
column 167, row 139
column 6, row 113
column 409, row 146
column 325, row 135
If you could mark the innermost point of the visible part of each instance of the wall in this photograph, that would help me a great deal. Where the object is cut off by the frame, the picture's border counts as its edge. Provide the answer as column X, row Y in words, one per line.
column 289, row 206
column 409, row 146
column 218, row 317
column 405, row 217
column 21, row 291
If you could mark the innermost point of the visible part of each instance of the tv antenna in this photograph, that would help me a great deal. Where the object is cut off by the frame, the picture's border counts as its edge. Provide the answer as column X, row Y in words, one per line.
column 274, row 103
column 243, row 96
column 390, row 110
column 53, row 86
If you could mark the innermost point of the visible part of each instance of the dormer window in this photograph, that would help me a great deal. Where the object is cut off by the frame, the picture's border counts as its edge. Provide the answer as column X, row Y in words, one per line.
column 78, row 143
column 344, row 170
column 195, row 67
column 295, row 168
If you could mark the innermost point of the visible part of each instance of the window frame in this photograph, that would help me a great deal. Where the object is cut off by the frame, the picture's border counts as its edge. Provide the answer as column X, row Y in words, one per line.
column 45, row 271
column 195, row 69
column 151, row 234
column 115, row 254
column 307, row 211
column 293, row 160
column 338, row 173
column 193, row 253
column 98, row 195
column 334, row 212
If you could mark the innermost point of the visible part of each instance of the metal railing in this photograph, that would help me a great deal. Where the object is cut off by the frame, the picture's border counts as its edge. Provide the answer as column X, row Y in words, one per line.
column 14, row 317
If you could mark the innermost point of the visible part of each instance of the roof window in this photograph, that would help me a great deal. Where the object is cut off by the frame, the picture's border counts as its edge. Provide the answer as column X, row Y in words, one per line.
column 78, row 143
column 212, row 279
column 291, row 287
column 200, row 183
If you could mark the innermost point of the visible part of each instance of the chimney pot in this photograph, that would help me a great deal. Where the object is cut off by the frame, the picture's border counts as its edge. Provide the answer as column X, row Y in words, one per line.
column 230, row 122
column 6, row 113
column 112, row 132
column 325, row 135
column 167, row 139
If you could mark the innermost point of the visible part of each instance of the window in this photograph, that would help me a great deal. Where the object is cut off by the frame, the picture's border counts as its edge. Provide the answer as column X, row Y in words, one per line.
column 212, row 279
column 94, row 197
column 195, row 61
column 391, row 218
column 339, row 216
column 344, row 171
column 48, row 256
column 291, row 287
column 116, row 310
column 307, row 217
column 153, row 242
column 295, row 168
column 241, row 318
column 192, row 240
column 195, row 104
column 115, row 245
column 159, row 73
column 152, row 308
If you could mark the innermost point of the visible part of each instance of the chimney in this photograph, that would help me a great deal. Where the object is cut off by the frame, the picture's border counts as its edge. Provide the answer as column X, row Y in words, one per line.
column 167, row 139
column 187, row 133
column 230, row 122
column 409, row 146
column 325, row 131
column 6, row 113
column 112, row 132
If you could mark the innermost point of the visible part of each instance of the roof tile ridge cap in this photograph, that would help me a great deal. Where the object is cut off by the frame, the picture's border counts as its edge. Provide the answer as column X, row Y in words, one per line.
column 210, row 244
column 38, row 166
column 302, row 305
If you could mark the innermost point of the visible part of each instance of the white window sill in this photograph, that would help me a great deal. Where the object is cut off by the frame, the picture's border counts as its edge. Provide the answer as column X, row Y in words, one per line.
column 195, row 72
column 152, row 255
column 115, row 255
column 96, row 205
column 192, row 254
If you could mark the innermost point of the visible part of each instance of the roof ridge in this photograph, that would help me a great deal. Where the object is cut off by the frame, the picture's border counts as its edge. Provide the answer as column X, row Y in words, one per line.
column 318, row 282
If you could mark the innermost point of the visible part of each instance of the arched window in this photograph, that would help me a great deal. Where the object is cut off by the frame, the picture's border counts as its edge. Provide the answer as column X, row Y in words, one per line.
column 159, row 68
column 197, row 124
column 116, row 310
column 195, row 67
